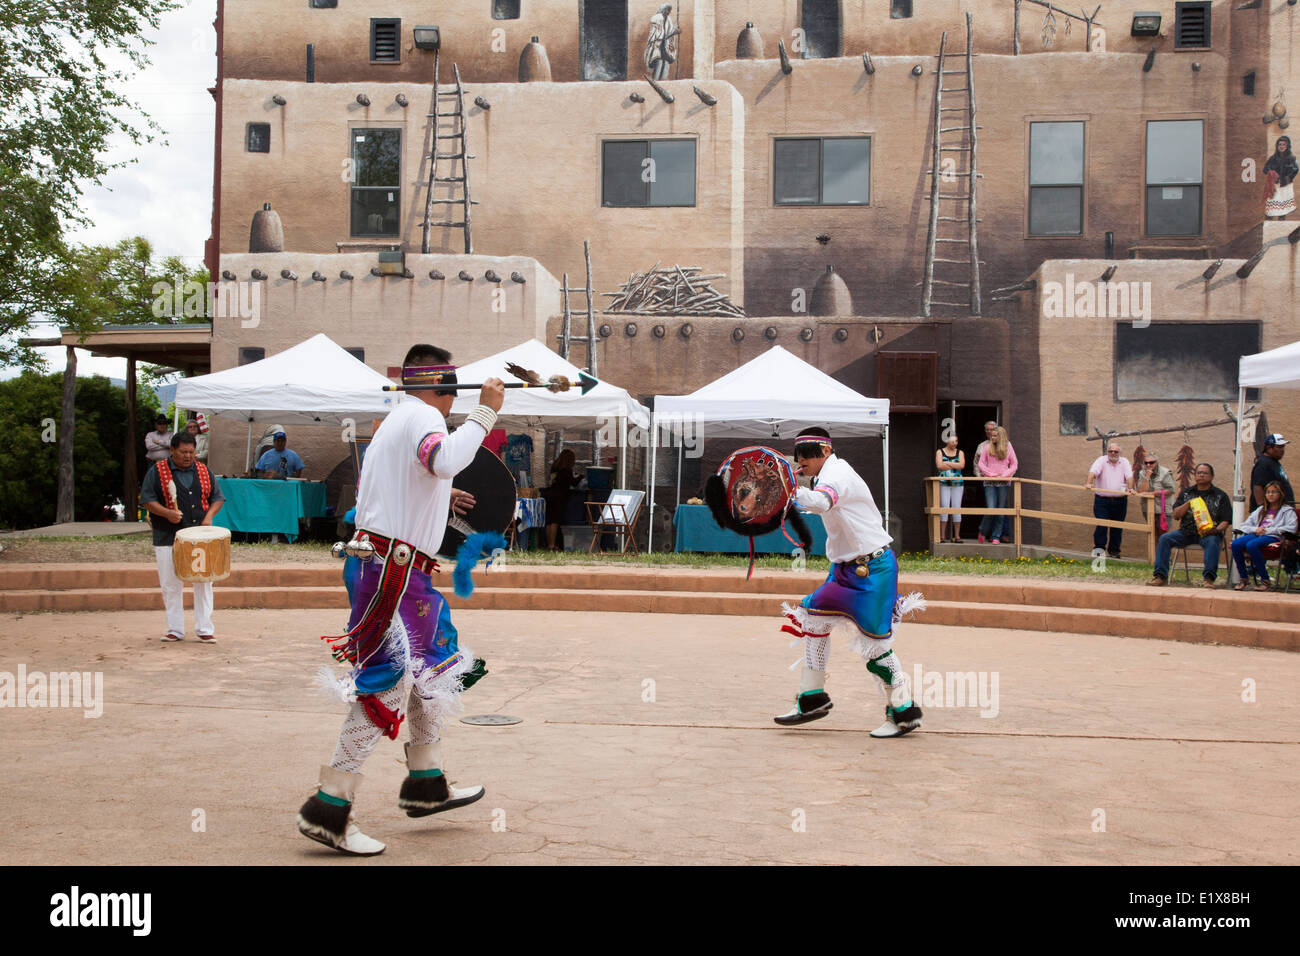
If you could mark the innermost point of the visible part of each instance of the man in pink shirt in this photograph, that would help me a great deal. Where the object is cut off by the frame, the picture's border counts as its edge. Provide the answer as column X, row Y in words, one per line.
column 1111, row 476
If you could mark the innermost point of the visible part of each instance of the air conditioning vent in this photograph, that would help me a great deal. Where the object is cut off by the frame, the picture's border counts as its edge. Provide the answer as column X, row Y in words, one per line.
column 384, row 37
column 1192, row 26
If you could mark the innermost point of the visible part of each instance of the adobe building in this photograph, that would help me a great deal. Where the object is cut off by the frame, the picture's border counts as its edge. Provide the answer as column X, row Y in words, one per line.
column 1115, row 142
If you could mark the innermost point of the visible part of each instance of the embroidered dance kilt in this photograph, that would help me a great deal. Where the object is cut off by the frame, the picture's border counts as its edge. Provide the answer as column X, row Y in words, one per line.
column 423, row 612
column 867, row 602
column 1282, row 202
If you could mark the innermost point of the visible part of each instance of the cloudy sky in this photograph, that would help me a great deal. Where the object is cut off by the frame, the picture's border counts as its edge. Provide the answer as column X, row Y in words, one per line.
column 166, row 194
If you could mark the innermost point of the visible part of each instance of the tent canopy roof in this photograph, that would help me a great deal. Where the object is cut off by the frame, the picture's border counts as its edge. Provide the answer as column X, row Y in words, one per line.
column 538, row 407
column 313, row 382
column 774, row 396
column 1278, row 367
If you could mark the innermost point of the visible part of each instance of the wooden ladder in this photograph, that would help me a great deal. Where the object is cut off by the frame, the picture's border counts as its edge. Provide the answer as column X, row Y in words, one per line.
column 963, row 208
column 442, row 165
column 568, row 340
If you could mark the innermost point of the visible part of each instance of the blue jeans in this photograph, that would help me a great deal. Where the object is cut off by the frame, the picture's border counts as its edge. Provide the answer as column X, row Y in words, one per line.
column 1254, row 545
column 996, row 496
column 1180, row 539
column 1108, row 508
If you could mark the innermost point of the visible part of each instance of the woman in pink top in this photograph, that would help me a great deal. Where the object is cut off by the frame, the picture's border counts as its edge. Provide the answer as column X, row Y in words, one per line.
column 997, row 460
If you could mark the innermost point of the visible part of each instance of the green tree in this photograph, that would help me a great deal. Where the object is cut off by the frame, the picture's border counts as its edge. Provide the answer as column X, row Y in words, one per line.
column 29, row 458
column 60, row 106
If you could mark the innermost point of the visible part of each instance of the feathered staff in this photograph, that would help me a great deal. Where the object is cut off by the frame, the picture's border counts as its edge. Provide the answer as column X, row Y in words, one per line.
column 556, row 383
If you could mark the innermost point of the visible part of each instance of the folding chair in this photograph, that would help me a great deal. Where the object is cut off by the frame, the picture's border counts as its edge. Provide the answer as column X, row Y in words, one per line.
column 617, row 516
column 1225, row 552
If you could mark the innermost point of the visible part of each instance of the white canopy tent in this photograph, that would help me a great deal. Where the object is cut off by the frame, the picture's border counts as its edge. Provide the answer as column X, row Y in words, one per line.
column 1277, row 368
column 539, row 407
column 771, row 398
column 315, row 382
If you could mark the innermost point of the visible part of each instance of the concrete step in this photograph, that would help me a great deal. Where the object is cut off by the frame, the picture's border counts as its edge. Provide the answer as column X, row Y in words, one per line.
column 318, row 581
column 1195, row 628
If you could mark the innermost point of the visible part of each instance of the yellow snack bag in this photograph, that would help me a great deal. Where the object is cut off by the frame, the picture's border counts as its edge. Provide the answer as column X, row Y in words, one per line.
column 1201, row 515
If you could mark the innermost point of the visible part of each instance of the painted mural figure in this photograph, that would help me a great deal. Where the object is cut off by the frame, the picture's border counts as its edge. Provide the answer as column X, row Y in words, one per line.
column 661, row 45
column 1279, row 176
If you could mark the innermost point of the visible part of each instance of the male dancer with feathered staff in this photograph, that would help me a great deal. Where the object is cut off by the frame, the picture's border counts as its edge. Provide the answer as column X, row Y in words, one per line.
column 399, row 625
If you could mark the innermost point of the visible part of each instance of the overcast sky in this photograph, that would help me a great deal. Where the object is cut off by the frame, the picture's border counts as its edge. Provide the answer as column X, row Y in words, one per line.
column 166, row 194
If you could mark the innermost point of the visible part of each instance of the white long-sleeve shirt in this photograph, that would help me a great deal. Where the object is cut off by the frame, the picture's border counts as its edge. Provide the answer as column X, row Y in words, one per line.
column 853, row 523
column 400, row 495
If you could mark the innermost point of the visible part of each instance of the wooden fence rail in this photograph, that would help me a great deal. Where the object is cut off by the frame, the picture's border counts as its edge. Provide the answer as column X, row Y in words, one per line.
column 1018, row 512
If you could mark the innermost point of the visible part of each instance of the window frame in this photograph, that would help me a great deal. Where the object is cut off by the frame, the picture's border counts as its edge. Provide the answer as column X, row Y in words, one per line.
column 821, row 171
column 248, row 137
column 1146, row 186
column 353, row 188
column 375, row 23
column 1030, row 185
column 649, row 204
column 519, row 6
column 895, row 10
column 1060, row 418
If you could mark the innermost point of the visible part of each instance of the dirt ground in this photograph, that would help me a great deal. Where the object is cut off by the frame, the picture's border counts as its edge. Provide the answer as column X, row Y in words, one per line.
column 648, row 739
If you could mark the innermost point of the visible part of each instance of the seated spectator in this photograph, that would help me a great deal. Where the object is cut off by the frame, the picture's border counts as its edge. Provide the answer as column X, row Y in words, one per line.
column 1159, row 481
column 280, row 461
column 1111, row 477
column 1217, row 518
column 158, row 443
column 1266, row 525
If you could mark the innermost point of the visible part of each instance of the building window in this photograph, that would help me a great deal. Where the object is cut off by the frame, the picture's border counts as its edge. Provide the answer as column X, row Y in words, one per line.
column 1055, row 179
column 900, row 9
column 820, row 20
column 249, row 355
column 324, row 4
column 1248, row 84
column 822, row 172
column 1181, row 361
column 1173, row 177
column 656, row 172
column 602, row 33
column 357, row 353
column 505, row 9
column 1074, row 418
column 257, row 137
column 1191, row 26
column 385, row 37
column 376, row 178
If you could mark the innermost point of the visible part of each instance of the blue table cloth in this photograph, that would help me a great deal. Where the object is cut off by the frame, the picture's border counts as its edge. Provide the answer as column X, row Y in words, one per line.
column 697, row 531
column 267, row 507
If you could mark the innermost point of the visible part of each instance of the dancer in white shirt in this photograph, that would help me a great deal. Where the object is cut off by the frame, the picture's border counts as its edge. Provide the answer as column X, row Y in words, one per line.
column 860, row 595
column 399, row 625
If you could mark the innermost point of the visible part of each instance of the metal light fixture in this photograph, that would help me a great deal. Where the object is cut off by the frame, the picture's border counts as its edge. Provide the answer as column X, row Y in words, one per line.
column 392, row 262
column 427, row 38
column 1146, row 24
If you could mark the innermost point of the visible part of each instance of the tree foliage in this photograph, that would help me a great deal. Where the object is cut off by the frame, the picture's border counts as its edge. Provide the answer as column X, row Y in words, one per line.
column 62, row 63
column 29, row 458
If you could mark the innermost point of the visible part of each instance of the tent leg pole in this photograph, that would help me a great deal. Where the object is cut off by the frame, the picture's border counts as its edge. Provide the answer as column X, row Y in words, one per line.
column 622, row 451
column 652, row 444
column 1238, row 495
column 248, row 448
column 679, row 476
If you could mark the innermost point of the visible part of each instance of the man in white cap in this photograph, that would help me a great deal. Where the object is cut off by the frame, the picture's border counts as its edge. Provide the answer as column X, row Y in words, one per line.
column 1268, row 467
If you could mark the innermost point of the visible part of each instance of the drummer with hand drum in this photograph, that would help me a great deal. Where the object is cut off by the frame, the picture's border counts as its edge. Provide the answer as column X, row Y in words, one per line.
column 179, row 492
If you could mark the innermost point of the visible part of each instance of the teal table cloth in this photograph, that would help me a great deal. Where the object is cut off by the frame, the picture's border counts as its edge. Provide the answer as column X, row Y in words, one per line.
column 697, row 531
column 269, row 507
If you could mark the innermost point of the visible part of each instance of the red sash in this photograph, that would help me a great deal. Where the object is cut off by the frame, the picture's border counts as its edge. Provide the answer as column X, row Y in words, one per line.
column 165, row 479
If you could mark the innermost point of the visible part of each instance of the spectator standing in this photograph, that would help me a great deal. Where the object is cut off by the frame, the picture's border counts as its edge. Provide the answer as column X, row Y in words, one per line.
column 997, row 460
column 200, row 440
column 1265, row 526
column 1268, row 467
column 158, row 443
column 556, row 494
column 1159, row 481
column 950, row 462
column 1111, row 477
column 1208, row 538
column 280, row 461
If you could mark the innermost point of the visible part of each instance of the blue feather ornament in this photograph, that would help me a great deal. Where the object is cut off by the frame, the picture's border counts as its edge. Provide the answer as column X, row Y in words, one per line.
column 467, row 555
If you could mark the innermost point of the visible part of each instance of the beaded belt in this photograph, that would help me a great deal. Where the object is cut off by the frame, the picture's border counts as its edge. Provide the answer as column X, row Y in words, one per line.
column 369, row 544
column 862, row 562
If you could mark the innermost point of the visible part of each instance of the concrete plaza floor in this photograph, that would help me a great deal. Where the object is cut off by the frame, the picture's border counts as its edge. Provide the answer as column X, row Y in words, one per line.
column 648, row 739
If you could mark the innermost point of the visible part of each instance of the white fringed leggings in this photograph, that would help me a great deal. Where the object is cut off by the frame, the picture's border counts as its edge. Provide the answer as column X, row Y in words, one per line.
column 359, row 735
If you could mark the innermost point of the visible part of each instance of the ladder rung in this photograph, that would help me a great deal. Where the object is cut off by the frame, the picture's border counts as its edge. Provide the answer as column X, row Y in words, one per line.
column 958, row 305
column 963, row 285
column 452, row 93
column 454, row 224
column 454, row 156
column 953, row 109
column 954, row 149
column 954, row 72
column 946, row 172
column 938, row 239
column 461, row 200
column 958, row 197
column 957, row 219
column 954, row 89
column 454, row 113
column 953, row 129
column 448, row 179
column 956, row 262
column 450, row 135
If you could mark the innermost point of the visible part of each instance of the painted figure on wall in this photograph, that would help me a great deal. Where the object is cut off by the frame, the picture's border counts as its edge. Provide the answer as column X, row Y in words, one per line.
column 1279, row 176
column 661, row 45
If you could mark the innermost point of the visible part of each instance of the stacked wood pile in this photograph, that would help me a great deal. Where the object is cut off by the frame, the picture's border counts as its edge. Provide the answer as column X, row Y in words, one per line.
column 673, row 290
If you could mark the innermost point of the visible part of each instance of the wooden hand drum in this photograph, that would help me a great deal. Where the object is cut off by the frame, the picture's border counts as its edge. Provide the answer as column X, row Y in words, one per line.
column 201, row 554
